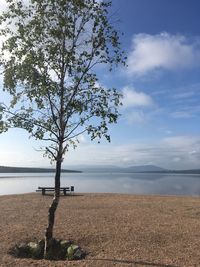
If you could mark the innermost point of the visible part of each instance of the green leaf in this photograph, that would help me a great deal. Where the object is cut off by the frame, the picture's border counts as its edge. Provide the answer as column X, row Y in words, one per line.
column 50, row 71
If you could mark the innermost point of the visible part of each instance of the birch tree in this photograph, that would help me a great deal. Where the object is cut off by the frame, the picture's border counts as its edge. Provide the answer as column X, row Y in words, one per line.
column 49, row 64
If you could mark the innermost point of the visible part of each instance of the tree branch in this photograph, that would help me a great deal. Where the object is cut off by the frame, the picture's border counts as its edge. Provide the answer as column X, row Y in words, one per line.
column 52, row 154
column 75, row 135
column 32, row 121
column 77, row 125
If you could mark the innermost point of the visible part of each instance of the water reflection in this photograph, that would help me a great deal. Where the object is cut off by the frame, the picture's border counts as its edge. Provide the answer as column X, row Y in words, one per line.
column 162, row 184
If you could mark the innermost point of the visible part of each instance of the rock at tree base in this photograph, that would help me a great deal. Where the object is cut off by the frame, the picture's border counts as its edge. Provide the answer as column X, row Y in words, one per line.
column 59, row 250
column 36, row 250
column 74, row 252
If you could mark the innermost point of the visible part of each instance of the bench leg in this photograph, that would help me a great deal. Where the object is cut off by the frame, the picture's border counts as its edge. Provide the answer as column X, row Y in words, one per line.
column 43, row 191
column 72, row 190
column 64, row 192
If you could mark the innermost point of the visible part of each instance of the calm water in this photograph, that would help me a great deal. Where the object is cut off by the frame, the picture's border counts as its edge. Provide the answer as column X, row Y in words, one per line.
column 162, row 184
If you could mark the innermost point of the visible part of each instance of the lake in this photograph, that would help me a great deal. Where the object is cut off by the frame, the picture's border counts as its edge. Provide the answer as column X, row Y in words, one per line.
column 129, row 183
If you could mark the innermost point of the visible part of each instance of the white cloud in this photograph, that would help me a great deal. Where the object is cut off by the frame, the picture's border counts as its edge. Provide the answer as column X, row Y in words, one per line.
column 181, row 115
column 180, row 142
column 135, row 117
column 176, row 152
column 2, row 8
column 185, row 147
column 183, row 95
column 135, row 104
column 132, row 98
column 176, row 159
column 82, row 139
column 161, row 51
column 185, row 111
column 2, row 5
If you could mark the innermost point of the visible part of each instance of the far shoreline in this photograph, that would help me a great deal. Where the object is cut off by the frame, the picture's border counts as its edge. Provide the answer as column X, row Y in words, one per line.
column 8, row 169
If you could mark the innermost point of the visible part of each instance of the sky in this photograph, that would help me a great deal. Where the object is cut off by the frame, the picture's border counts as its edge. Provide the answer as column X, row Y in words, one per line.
column 160, row 116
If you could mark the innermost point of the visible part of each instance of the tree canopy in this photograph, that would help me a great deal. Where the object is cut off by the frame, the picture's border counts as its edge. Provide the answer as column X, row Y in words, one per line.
column 49, row 61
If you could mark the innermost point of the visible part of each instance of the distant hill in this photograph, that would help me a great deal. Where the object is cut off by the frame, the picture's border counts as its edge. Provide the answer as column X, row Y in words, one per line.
column 145, row 168
column 99, row 169
column 7, row 169
column 111, row 168
column 132, row 169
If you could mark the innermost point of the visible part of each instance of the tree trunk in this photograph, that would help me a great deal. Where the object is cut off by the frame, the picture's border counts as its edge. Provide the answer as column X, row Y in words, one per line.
column 52, row 210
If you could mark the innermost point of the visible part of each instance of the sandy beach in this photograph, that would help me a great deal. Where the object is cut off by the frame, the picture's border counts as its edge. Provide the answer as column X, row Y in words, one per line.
column 114, row 229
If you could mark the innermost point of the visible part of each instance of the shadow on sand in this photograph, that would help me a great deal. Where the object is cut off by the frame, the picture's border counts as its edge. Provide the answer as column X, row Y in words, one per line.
column 136, row 263
column 61, row 195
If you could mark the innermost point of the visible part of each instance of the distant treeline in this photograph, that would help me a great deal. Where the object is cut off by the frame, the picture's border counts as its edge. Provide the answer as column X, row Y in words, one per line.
column 5, row 169
column 193, row 171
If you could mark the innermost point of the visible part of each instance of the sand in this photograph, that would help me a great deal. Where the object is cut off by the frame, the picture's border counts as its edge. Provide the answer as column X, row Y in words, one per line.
column 115, row 229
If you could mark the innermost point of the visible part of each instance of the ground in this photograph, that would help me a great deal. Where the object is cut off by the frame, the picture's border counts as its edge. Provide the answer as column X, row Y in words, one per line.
column 115, row 229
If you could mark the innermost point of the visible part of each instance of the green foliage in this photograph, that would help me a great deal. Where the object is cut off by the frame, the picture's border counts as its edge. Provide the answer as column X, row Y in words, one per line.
column 49, row 61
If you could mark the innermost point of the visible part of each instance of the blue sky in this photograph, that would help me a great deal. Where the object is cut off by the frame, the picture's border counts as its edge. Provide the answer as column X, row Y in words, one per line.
column 161, row 87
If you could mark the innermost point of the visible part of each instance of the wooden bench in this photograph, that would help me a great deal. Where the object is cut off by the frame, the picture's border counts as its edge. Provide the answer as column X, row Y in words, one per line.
column 52, row 189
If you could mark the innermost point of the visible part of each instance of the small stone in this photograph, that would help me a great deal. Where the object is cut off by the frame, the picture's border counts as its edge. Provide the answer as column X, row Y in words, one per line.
column 65, row 244
column 79, row 254
column 22, row 245
column 32, row 245
column 70, row 253
column 36, row 250
column 75, row 247
column 74, row 252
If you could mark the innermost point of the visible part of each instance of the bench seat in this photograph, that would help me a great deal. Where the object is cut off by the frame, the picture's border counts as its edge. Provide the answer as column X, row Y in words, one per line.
column 64, row 190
